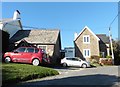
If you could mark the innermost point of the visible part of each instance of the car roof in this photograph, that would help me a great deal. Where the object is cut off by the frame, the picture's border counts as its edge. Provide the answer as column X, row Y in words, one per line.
column 71, row 57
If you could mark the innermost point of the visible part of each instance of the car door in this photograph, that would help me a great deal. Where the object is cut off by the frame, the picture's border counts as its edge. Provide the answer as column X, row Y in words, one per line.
column 18, row 54
column 28, row 55
column 69, row 62
column 76, row 62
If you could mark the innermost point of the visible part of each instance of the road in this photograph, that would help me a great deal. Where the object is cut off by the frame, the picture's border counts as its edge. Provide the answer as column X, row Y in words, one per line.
column 101, row 76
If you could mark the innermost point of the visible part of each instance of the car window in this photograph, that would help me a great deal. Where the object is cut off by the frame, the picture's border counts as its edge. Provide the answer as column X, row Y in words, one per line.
column 20, row 50
column 75, row 59
column 31, row 50
column 36, row 50
column 69, row 58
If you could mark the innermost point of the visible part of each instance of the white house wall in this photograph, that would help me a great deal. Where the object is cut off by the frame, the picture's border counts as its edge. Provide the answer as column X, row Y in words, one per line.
column 12, row 27
column 1, row 25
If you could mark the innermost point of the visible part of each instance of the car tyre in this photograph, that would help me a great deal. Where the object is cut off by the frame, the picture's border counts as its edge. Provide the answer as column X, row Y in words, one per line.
column 84, row 65
column 7, row 59
column 35, row 62
column 64, row 64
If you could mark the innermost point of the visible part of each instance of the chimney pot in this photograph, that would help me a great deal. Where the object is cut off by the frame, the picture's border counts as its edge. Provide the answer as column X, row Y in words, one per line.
column 16, row 15
column 75, row 35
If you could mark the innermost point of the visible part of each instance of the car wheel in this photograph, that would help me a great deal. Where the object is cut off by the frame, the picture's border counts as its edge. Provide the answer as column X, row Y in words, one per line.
column 84, row 65
column 35, row 62
column 65, row 64
column 7, row 59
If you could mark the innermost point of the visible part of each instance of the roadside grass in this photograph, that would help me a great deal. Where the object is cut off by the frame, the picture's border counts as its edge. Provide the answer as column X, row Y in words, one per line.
column 14, row 73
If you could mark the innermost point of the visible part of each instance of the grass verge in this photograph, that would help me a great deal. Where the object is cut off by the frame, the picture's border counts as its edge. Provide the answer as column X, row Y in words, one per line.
column 14, row 73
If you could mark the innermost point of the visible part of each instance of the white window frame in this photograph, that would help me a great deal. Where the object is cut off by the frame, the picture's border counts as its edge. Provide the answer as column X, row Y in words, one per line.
column 86, row 50
column 41, row 46
column 85, row 39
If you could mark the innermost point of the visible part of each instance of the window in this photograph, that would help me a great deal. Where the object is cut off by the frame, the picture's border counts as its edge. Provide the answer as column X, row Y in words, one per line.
column 70, row 51
column 86, row 39
column 69, row 58
column 20, row 50
column 31, row 50
column 43, row 47
column 74, row 59
column 36, row 50
column 86, row 52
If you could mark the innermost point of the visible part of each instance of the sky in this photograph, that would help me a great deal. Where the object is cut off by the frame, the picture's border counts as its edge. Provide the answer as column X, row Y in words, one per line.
column 68, row 17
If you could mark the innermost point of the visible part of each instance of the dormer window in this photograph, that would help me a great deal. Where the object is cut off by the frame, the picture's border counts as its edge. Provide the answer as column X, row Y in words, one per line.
column 86, row 39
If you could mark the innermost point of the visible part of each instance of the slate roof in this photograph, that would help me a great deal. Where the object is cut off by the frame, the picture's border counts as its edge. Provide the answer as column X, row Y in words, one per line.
column 36, row 36
column 103, row 38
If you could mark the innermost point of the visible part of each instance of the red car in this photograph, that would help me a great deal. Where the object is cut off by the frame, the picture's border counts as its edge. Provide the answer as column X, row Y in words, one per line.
column 25, row 55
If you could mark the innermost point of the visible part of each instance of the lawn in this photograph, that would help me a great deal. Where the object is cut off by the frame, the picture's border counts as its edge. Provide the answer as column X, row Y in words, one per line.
column 14, row 73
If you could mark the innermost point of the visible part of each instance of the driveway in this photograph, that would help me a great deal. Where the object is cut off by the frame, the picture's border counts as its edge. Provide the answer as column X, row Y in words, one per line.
column 101, row 76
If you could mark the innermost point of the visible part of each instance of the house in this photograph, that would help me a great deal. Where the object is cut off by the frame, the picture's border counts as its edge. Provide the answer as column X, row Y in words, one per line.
column 69, row 52
column 88, row 44
column 48, row 40
column 11, row 25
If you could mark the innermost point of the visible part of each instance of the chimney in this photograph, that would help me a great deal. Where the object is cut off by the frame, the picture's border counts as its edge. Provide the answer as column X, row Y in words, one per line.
column 75, row 35
column 16, row 15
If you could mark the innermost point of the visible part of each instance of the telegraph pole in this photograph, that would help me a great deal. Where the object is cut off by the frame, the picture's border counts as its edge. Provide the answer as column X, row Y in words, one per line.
column 110, row 37
column 111, row 45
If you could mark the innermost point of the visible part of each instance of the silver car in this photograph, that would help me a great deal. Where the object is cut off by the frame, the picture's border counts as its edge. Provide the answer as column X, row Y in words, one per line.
column 74, row 61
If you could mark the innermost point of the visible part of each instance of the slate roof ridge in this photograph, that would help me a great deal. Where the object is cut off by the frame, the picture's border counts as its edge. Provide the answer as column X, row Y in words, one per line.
column 37, row 35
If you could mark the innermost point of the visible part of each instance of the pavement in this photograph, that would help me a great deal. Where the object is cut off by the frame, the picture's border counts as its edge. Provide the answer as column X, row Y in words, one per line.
column 107, row 76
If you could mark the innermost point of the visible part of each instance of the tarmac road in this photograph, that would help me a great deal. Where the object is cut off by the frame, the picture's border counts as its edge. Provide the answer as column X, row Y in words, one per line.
column 107, row 76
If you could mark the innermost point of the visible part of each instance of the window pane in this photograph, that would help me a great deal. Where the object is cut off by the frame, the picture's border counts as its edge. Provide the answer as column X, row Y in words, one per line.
column 20, row 49
column 88, row 53
column 84, row 39
column 30, row 50
column 87, row 39
column 69, row 58
column 85, row 52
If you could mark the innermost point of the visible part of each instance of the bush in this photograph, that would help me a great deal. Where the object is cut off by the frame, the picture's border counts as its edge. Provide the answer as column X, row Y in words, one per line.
column 108, row 57
column 95, row 58
column 105, row 61
column 94, row 61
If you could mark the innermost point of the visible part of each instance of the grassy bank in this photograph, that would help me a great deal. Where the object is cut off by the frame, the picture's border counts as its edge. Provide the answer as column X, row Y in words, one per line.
column 13, row 73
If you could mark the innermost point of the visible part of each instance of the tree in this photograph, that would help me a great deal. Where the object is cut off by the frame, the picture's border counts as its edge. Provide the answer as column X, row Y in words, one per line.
column 116, row 49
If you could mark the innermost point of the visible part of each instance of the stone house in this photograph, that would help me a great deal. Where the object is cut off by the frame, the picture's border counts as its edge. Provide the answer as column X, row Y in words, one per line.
column 88, row 44
column 48, row 40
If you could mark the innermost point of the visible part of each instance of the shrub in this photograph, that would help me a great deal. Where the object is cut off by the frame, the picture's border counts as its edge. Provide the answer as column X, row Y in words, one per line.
column 94, row 61
column 108, row 57
column 105, row 61
column 95, row 58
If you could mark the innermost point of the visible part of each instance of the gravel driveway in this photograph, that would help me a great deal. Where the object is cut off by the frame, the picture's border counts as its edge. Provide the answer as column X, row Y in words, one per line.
column 101, row 76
